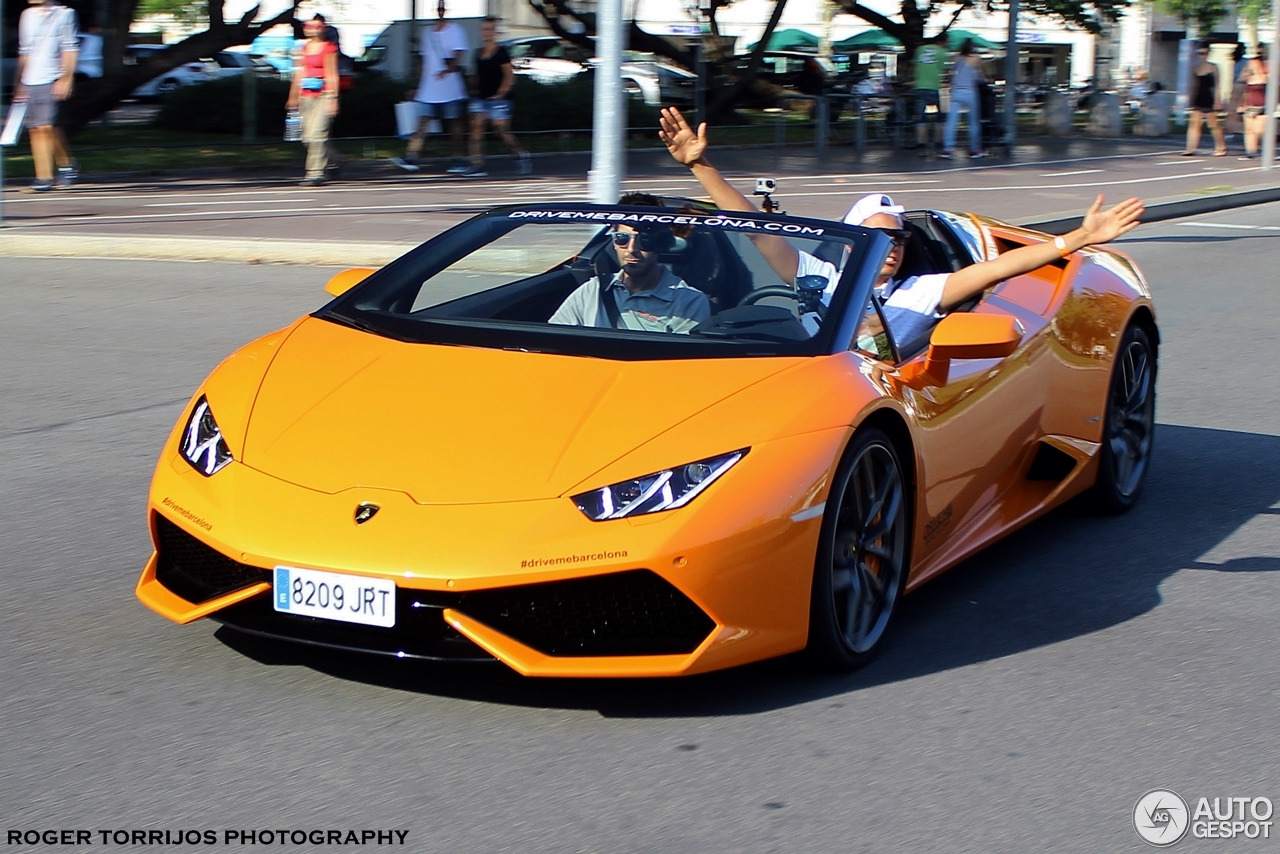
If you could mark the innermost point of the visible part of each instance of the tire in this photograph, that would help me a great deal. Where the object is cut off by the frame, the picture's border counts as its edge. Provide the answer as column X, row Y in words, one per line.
column 1129, row 428
column 863, row 559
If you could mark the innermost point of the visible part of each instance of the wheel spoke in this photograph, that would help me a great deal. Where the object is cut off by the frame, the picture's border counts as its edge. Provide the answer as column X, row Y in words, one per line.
column 881, row 551
column 871, row 582
column 888, row 516
column 841, row 580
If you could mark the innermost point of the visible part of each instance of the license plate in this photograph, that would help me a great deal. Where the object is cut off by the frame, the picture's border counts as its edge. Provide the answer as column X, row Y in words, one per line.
column 334, row 596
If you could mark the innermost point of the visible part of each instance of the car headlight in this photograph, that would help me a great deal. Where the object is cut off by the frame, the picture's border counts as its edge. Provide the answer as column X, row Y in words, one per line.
column 202, row 442
column 664, row 490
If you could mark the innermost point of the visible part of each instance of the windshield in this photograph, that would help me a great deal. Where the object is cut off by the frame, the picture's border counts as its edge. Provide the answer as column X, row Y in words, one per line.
column 631, row 283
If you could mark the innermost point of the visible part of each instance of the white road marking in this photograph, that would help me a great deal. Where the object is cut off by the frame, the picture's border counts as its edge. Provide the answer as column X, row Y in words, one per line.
column 229, row 202
column 878, row 183
column 1065, row 174
column 232, row 214
column 1230, row 225
column 1002, row 187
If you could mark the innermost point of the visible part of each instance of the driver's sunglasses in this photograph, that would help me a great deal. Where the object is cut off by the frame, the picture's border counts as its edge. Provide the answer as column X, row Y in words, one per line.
column 899, row 236
column 624, row 238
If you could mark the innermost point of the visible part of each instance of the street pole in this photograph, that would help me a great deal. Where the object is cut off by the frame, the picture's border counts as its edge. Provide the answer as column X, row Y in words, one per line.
column 1273, row 71
column 609, row 123
column 1011, row 77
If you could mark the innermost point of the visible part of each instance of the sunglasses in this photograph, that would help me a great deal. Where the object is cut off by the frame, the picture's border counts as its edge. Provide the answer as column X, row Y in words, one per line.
column 899, row 236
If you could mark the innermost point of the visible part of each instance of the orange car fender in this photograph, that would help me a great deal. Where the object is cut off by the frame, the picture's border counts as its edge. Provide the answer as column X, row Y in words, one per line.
column 232, row 388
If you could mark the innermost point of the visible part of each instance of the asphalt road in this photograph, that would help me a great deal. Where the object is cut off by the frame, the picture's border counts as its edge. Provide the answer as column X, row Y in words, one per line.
column 1028, row 699
column 1042, row 180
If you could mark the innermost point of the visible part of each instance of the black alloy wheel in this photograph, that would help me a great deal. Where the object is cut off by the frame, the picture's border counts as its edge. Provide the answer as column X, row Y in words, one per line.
column 862, row 554
column 1130, row 424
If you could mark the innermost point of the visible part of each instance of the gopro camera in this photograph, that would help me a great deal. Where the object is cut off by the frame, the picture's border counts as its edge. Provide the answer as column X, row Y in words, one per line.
column 765, row 186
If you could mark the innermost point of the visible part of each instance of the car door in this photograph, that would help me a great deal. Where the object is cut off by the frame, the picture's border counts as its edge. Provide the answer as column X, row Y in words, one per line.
column 977, row 421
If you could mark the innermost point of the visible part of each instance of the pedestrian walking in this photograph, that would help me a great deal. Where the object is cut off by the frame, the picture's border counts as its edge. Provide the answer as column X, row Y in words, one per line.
column 965, row 77
column 930, row 60
column 442, row 91
column 1205, row 105
column 1233, row 120
column 1254, row 103
column 47, row 53
column 314, row 93
column 492, row 104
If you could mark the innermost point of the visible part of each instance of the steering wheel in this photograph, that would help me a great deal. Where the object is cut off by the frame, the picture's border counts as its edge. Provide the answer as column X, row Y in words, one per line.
column 808, row 297
column 753, row 297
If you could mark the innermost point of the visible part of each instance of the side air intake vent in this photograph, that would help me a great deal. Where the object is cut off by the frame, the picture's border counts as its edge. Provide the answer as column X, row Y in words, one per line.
column 1050, row 464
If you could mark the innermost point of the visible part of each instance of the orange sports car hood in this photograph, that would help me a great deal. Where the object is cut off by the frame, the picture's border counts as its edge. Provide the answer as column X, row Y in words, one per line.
column 456, row 425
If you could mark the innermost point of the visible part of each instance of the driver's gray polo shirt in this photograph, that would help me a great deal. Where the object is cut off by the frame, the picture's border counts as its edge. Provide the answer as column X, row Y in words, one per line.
column 669, row 306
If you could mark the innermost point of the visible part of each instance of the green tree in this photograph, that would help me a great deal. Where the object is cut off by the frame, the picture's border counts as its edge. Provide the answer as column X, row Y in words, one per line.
column 1252, row 13
column 566, row 21
column 1197, row 16
column 94, row 97
column 1089, row 16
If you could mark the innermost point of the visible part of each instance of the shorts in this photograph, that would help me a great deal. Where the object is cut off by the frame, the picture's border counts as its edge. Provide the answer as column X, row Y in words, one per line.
column 42, row 109
column 496, row 109
column 927, row 98
column 448, row 110
column 1253, row 112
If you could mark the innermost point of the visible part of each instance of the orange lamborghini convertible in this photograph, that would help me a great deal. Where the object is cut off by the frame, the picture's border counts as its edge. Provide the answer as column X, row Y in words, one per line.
column 473, row 454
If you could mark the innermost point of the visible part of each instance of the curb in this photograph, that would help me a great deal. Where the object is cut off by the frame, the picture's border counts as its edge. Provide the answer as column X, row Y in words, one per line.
column 242, row 250
column 1171, row 210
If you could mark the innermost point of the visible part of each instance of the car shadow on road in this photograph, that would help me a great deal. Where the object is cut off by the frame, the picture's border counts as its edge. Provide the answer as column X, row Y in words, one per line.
column 1066, row 575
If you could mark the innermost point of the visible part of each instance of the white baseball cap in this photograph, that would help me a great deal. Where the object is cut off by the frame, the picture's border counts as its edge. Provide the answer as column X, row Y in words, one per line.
column 868, row 206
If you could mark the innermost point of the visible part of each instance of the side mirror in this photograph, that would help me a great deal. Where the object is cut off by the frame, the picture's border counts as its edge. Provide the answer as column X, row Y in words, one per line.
column 347, row 279
column 966, row 336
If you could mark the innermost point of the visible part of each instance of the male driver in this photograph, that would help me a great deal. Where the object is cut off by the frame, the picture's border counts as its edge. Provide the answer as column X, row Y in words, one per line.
column 914, row 304
column 442, row 91
column 644, row 295
column 47, row 53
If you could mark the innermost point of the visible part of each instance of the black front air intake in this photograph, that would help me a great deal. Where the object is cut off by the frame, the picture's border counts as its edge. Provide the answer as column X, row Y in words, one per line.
column 625, row 613
column 195, row 571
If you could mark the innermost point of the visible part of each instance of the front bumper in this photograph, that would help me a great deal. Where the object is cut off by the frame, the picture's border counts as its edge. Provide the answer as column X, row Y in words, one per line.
column 716, row 584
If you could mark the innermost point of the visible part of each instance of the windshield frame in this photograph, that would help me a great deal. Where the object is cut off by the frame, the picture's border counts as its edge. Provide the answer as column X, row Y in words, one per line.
column 869, row 248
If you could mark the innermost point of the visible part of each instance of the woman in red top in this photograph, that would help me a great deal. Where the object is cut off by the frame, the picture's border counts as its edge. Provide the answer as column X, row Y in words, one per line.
column 314, row 93
column 1254, row 104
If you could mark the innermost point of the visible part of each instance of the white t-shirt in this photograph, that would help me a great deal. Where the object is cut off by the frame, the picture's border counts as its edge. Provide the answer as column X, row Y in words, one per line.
column 437, row 46
column 44, row 34
column 911, row 307
column 921, row 294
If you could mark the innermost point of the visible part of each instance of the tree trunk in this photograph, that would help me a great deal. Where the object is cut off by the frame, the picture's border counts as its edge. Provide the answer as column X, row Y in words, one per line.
column 94, row 98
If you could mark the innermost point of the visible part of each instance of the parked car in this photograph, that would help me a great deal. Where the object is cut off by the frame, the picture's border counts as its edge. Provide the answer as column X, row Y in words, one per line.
column 547, row 59
column 88, row 62
column 231, row 63
column 550, row 60
column 170, row 80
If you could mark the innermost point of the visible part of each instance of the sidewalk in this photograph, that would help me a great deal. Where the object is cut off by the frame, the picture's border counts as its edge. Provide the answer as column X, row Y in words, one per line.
column 378, row 212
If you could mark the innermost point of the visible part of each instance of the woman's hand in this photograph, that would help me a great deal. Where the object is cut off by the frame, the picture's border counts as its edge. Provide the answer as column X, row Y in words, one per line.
column 331, row 107
column 685, row 146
